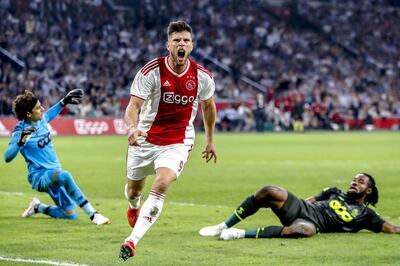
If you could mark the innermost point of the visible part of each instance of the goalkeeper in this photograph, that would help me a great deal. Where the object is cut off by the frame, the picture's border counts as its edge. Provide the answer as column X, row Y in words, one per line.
column 32, row 138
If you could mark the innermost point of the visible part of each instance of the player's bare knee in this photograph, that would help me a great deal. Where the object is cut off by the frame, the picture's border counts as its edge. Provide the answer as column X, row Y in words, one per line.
column 268, row 193
column 160, row 186
column 297, row 230
column 162, row 182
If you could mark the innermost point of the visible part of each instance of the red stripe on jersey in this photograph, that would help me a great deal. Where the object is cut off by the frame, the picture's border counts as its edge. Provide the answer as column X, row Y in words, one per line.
column 149, row 66
column 155, row 60
column 175, row 106
column 205, row 70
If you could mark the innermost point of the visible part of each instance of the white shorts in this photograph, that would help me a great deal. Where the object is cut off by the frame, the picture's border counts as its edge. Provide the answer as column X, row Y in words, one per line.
column 144, row 160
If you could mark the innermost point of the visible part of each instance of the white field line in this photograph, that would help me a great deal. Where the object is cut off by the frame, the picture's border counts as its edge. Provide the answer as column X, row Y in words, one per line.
column 7, row 193
column 47, row 262
column 198, row 205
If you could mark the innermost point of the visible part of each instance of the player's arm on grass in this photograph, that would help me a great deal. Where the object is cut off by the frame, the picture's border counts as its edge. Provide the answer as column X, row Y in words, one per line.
column 390, row 228
column 209, row 117
column 132, row 120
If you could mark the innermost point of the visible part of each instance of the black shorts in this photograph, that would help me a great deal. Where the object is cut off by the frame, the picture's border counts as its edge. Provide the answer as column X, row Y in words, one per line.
column 293, row 209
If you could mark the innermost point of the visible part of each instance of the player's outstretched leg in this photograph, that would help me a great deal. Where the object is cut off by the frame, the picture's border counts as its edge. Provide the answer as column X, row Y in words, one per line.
column 299, row 228
column 69, row 190
column 35, row 206
column 272, row 231
column 148, row 215
column 248, row 207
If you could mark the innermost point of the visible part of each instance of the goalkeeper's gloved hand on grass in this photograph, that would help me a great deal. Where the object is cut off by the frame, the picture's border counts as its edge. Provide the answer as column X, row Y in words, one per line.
column 72, row 97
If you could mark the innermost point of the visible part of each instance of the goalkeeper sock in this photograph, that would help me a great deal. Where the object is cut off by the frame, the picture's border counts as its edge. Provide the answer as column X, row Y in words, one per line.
column 135, row 202
column 248, row 207
column 88, row 209
column 273, row 231
column 148, row 215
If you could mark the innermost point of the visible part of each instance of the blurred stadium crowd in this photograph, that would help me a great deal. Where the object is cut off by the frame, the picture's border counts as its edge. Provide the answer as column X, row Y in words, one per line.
column 311, row 64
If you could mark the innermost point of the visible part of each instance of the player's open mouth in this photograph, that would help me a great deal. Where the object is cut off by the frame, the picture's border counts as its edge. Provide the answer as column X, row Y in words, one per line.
column 181, row 53
column 353, row 188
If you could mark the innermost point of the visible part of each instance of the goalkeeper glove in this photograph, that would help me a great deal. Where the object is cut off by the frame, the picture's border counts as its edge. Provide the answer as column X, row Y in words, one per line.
column 26, row 134
column 73, row 97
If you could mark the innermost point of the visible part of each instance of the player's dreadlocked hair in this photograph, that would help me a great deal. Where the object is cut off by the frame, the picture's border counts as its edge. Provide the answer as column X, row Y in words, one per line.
column 23, row 104
column 373, row 197
column 178, row 26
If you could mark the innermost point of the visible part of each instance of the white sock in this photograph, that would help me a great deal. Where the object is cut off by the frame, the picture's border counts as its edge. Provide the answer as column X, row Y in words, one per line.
column 135, row 202
column 242, row 233
column 88, row 209
column 222, row 225
column 148, row 215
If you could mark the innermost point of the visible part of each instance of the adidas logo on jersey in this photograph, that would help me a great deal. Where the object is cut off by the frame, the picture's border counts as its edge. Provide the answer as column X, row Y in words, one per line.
column 166, row 84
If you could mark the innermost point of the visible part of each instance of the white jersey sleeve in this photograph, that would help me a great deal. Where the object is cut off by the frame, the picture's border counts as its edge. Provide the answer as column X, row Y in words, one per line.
column 142, row 85
column 206, row 85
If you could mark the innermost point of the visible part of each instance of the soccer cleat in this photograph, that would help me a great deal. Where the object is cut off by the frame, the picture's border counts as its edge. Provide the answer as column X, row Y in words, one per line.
column 99, row 219
column 231, row 233
column 214, row 230
column 127, row 250
column 133, row 215
column 31, row 208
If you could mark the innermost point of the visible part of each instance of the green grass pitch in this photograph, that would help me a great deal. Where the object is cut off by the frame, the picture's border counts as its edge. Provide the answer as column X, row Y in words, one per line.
column 206, row 194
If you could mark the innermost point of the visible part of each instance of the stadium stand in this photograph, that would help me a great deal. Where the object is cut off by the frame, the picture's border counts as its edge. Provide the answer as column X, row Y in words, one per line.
column 325, row 64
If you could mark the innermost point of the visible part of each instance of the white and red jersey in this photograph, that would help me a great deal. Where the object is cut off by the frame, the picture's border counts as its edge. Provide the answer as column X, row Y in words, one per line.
column 171, row 100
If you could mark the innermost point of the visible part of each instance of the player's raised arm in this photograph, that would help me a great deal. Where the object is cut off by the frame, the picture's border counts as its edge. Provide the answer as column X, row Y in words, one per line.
column 132, row 120
column 72, row 97
column 209, row 117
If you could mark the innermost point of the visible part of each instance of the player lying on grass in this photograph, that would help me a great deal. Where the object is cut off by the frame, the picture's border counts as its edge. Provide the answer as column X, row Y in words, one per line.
column 329, row 211
column 32, row 138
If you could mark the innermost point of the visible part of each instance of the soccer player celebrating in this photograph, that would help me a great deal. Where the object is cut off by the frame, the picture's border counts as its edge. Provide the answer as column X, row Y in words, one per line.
column 32, row 139
column 167, row 92
column 329, row 211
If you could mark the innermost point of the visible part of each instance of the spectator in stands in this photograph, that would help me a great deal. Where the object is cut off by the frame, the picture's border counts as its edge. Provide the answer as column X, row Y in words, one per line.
column 91, row 50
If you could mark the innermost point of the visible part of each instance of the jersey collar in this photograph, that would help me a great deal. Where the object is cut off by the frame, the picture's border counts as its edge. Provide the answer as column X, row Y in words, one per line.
column 173, row 72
